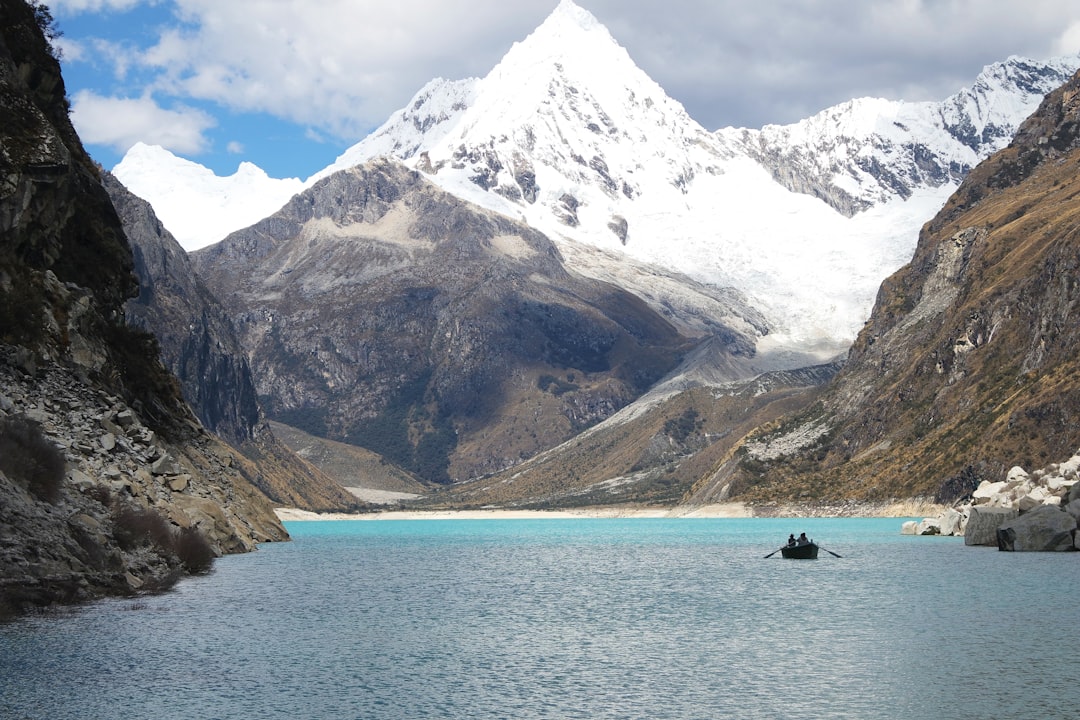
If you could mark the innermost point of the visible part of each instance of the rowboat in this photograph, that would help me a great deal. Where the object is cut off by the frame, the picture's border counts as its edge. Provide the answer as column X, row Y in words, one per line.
column 807, row 551
column 804, row 550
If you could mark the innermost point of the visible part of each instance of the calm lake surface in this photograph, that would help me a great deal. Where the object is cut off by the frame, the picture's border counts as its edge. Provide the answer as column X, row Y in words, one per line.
column 590, row 618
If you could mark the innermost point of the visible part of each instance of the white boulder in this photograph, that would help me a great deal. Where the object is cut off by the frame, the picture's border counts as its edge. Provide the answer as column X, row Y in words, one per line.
column 987, row 490
column 983, row 524
column 929, row 526
column 1046, row 528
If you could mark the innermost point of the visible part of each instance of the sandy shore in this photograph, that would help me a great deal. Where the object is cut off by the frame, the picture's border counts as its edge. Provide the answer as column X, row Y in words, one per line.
column 723, row 510
column 727, row 510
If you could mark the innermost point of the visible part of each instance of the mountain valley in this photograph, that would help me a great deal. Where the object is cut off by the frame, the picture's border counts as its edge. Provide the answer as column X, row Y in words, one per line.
column 550, row 288
column 393, row 304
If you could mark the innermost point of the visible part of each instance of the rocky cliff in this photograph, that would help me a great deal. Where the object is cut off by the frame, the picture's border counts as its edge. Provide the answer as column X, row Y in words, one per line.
column 199, row 345
column 108, row 484
column 380, row 310
column 968, row 365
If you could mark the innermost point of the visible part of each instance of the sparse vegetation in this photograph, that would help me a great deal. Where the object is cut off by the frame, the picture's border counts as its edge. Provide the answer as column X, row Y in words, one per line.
column 29, row 458
column 193, row 549
column 680, row 428
column 137, row 527
column 556, row 386
column 47, row 23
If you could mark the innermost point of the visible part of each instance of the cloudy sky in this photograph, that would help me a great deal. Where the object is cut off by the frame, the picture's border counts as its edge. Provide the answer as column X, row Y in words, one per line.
column 290, row 84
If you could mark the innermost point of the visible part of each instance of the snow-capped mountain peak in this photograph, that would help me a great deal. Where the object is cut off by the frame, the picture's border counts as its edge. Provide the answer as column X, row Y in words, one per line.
column 195, row 205
column 869, row 151
column 805, row 220
column 551, row 116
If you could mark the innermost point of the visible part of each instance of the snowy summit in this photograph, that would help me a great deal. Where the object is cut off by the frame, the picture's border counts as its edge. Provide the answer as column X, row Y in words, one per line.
column 567, row 133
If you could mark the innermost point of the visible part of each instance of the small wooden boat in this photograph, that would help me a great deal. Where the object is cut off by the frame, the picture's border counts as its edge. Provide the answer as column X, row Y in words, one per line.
column 806, row 551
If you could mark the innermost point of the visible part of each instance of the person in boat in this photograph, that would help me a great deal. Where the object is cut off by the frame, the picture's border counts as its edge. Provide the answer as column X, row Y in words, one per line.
column 802, row 539
column 791, row 539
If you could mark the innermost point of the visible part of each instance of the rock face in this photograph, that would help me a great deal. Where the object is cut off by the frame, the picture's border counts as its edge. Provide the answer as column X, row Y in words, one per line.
column 114, row 471
column 969, row 361
column 199, row 345
column 102, row 465
column 983, row 524
column 196, row 335
column 381, row 311
column 1046, row 528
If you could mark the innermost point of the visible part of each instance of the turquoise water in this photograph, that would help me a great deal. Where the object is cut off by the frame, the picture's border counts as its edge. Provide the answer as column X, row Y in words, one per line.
column 635, row 618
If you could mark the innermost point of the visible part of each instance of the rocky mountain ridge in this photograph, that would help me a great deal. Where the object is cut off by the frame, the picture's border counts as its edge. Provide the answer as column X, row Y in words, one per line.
column 967, row 366
column 382, row 311
column 869, row 152
column 108, row 483
column 199, row 345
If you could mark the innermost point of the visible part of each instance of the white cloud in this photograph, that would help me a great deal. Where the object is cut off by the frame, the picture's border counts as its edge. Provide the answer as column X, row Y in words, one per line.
column 341, row 67
column 235, row 148
column 70, row 50
column 1069, row 41
column 121, row 122
column 77, row 6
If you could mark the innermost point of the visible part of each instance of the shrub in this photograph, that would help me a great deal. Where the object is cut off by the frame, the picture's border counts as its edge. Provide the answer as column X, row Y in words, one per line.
column 193, row 549
column 100, row 493
column 133, row 527
column 29, row 458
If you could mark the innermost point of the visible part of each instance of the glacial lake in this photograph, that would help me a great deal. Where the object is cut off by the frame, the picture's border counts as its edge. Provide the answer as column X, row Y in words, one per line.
column 570, row 618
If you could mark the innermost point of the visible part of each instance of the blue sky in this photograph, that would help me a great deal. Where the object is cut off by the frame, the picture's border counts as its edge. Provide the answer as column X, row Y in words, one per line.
column 290, row 84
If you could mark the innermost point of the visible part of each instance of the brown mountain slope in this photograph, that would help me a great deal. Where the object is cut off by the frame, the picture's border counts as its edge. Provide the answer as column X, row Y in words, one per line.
column 969, row 363
column 378, row 310
column 655, row 452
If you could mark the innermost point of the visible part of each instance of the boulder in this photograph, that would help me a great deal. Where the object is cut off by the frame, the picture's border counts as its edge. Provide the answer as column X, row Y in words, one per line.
column 80, row 480
column 1016, row 473
column 165, row 465
column 987, row 490
column 1058, row 485
column 951, row 522
column 1046, row 528
column 1038, row 496
column 1074, row 493
column 929, row 526
column 179, row 483
column 909, row 528
column 983, row 524
column 1070, row 467
column 1073, row 509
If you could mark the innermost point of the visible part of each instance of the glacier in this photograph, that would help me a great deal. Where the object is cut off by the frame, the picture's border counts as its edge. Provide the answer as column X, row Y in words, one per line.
column 567, row 133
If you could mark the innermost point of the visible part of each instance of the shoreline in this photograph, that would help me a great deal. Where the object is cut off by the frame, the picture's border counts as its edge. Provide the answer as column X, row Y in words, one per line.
column 717, row 510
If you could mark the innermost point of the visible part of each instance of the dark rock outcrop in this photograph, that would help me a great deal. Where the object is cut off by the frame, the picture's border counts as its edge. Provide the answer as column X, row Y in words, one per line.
column 199, row 345
column 108, row 483
column 1046, row 528
column 196, row 336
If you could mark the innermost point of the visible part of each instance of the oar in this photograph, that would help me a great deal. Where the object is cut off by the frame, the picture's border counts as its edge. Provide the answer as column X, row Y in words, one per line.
column 830, row 552
column 772, row 553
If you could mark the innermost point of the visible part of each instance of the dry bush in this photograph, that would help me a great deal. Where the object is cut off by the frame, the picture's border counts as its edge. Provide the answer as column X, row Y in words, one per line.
column 134, row 527
column 29, row 458
column 193, row 549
